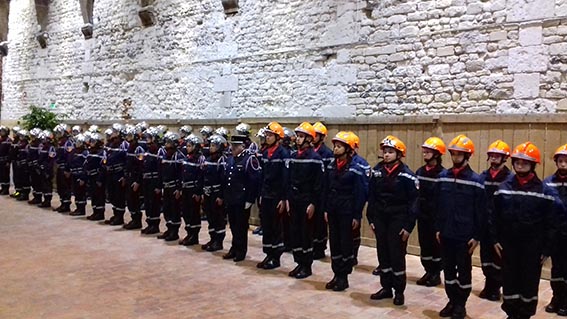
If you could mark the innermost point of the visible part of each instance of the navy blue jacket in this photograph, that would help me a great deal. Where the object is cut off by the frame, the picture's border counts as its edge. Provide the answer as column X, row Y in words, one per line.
column 213, row 175
column 362, row 165
column 393, row 195
column 305, row 177
column 242, row 179
column 134, row 162
column 560, row 185
column 77, row 164
column 428, row 180
column 171, row 169
column 116, row 160
column 150, row 167
column 192, row 174
column 326, row 154
column 46, row 158
column 64, row 153
column 490, row 187
column 525, row 211
column 462, row 205
column 5, row 145
column 274, row 173
column 344, row 190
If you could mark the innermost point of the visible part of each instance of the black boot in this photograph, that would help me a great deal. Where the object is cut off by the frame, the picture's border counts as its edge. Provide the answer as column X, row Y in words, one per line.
column 15, row 194
column 173, row 234
column 23, row 196
column 341, row 283
column 97, row 215
column 214, row 246
column 447, row 311
column 490, row 292
column 45, row 204
column 135, row 223
column 272, row 263
column 421, row 281
column 383, row 293
column 80, row 211
column 189, row 240
column 5, row 191
column 117, row 219
column 331, row 284
column 304, row 272
column 152, row 228
column 294, row 271
column 399, row 299
column 36, row 200
column 433, row 280
column 553, row 305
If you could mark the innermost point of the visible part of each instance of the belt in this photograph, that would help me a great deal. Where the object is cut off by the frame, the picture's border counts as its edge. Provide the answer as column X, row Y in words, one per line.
column 92, row 172
column 115, row 168
column 189, row 184
column 150, row 175
column 170, row 184
column 3, row 158
column 77, row 170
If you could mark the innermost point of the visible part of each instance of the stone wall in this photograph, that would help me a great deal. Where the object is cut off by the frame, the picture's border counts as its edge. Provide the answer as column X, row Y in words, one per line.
column 332, row 58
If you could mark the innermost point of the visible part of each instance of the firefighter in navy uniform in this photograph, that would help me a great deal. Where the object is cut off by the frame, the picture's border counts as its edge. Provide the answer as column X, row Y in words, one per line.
column 242, row 178
column 343, row 204
column 498, row 152
column 64, row 152
column 96, row 176
column 259, row 152
column 170, row 172
column 303, row 193
column 206, row 132
column 46, row 162
column 12, row 155
column 433, row 149
column 133, row 175
column 272, row 195
column 33, row 168
column 116, row 153
column 320, row 233
column 461, row 208
column 558, row 279
column 192, row 189
column 213, row 205
column 20, row 166
column 5, row 145
column 288, row 142
column 151, row 181
column 522, row 225
column 78, row 176
column 392, row 211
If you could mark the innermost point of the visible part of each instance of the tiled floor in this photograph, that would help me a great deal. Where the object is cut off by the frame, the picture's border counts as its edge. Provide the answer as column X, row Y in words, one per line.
column 57, row 266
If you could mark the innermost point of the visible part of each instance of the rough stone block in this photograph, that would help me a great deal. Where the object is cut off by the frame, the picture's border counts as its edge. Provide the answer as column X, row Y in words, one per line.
column 527, row 59
column 446, row 51
column 526, row 85
column 524, row 10
column 439, row 69
column 531, row 36
column 226, row 83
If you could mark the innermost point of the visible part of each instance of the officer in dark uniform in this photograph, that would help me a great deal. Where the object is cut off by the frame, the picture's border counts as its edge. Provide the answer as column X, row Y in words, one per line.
column 320, row 233
column 133, row 175
column 46, row 162
column 272, row 195
column 462, row 205
column 115, row 164
column 241, row 182
column 78, row 176
column 64, row 153
column 343, row 204
column 170, row 169
column 523, row 225
column 20, row 166
column 96, row 175
column 5, row 145
column 213, row 205
column 497, row 153
column 392, row 212
column 558, row 281
column 151, row 181
column 304, row 192
column 192, row 189
column 433, row 149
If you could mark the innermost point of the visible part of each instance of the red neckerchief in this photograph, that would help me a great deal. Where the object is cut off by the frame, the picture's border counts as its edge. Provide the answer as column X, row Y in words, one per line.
column 316, row 149
column 272, row 149
column 458, row 170
column 392, row 169
column 301, row 151
column 524, row 180
column 561, row 178
column 429, row 167
column 494, row 172
column 341, row 163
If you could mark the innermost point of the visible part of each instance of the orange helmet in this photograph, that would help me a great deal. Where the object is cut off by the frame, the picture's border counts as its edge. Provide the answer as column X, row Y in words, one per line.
column 561, row 150
column 436, row 144
column 346, row 138
column 320, row 128
column 275, row 128
column 499, row 147
column 395, row 143
column 356, row 139
column 462, row 143
column 306, row 128
column 527, row 151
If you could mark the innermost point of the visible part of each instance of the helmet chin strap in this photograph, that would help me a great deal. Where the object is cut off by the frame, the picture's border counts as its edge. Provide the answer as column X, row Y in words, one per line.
column 461, row 164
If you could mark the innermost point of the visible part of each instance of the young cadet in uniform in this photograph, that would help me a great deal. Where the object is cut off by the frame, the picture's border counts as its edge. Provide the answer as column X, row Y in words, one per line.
column 497, row 153
column 558, row 280
column 133, row 175
column 95, row 175
column 343, row 203
column 192, row 189
column 362, row 165
column 116, row 180
column 78, row 176
column 320, row 233
column 151, row 181
column 272, row 195
column 64, row 152
column 12, row 155
column 461, row 207
column 33, row 168
column 303, row 193
column 170, row 169
column 288, row 141
column 433, row 149
column 20, row 167
column 522, row 227
column 5, row 145
column 259, row 152
column 213, row 205
column 45, row 162
column 392, row 205
column 241, row 182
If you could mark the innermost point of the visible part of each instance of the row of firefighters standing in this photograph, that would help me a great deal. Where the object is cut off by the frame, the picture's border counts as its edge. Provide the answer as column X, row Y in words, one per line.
column 518, row 219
